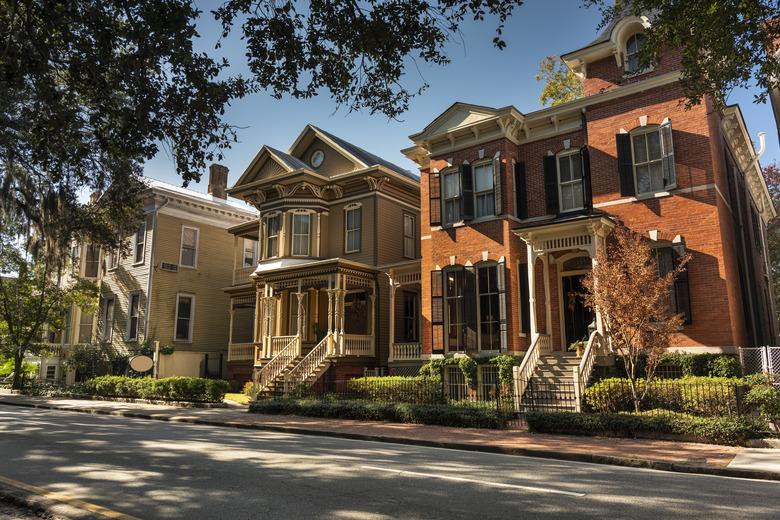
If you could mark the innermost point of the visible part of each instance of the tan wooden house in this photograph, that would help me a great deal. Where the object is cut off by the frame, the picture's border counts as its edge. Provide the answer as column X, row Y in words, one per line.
column 332, row 289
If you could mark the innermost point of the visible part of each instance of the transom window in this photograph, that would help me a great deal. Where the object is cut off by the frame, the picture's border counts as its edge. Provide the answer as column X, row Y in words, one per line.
column 185, row 307
column 300, row 234
column 570, row 181
column 484, row 190
column 452, row 197
column 633, row 46
column 189, row 247
column 653, row 158
column 352, row 219
column 272, row 226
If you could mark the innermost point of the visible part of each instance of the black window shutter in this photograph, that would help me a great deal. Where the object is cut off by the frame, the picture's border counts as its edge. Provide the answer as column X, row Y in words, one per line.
column 525, row 300
column 470, row 307
column 520, row 191
column 437, row 312
column 551, row 184
column 587, row 190
column 434, row 195
column 466, row 192
column 682, row 293
column 625, row 164
column 501, row 282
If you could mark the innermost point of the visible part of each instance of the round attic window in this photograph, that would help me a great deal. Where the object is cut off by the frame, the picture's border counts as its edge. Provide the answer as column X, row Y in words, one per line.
column 317, row 157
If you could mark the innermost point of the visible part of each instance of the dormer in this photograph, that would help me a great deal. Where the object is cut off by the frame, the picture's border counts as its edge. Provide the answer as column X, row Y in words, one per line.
column 611, row 60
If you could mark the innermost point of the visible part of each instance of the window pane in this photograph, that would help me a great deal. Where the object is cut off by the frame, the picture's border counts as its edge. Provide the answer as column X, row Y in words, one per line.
column 576, row 166
column 188, row 257
column 189, row 237
column 656, row 176
column 484, row 178
column 564, row 169
column 452, row 211
column 640, row 149
column 486, row 205
column 567, row 201
column 644, row 183
column 451, row 185
column 576, row 188
column 653, row 145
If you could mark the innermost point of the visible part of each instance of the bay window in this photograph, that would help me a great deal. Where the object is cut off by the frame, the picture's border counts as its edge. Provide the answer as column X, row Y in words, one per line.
column 272, row 226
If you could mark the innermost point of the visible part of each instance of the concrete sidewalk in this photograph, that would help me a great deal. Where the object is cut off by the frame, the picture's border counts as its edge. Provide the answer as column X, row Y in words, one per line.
column 654, row 454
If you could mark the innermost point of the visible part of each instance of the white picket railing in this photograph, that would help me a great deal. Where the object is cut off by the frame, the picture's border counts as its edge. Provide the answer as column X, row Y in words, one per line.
column 523, row 373
column 584, row 370
column 307, row 366
column 280, row 342
column 405, row 351
column 274, row 368
column 358, row 345
column 241, row 351
column 241, row 274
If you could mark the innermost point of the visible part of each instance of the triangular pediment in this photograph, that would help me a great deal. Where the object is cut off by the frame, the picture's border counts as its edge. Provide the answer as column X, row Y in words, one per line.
column 266, row 164
column 457, row 116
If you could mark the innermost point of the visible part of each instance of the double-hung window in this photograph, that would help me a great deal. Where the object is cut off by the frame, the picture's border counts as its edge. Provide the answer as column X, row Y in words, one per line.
column 570, row 181
column 653, row 159
column 452, row 197
column 189, row 247
column 410, row 317
column 633, row 46
column 133, row 316
column 484, row 191
column 185, row 312
column 454, row 305
column 301, row 227
column 272, row 225
column 85, row 327
column 140, row 240
column 250, row 253
column 112, row 260
column 489, row 311
column 410, row 234
column 107, row 319
column 679, row 294
column 352, row 219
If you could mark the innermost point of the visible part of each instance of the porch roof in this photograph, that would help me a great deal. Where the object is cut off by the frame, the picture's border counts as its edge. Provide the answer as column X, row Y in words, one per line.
column 288, row 268
column 558, row 222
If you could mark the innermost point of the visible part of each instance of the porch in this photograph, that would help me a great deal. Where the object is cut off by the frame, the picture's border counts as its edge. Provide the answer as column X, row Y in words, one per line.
column 405, row 354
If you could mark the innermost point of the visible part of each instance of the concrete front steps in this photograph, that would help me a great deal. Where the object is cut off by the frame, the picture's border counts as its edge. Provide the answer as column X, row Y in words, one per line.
column 551, row 388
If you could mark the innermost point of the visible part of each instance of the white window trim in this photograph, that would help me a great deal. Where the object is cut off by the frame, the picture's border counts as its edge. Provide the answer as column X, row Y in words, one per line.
column 181, row 247
column 278, row 234
column 649, row 129
column 113, row 255
column 107, row 327
column 413, row 236
column 567, row 155
column 624, row 53
column 136, row 261
column 444, row 199
column 128, row 337
column 255, row 252
column 298, row 213
column 352, row 207
column 479, row 164
column 192, row 318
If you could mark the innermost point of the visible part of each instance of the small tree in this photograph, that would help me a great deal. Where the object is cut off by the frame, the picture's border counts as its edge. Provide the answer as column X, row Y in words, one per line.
column 560, row 83
column 633, row 299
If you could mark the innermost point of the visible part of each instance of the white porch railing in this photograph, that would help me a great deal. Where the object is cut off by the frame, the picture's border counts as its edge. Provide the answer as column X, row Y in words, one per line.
column 545, row 344
column 241, row 351
column 278, row 343
column 274, row 368
column 583, row 372
column 358, row 345
column 308, row 365
column 241, row 274
column 522, row 374
column 405, row 351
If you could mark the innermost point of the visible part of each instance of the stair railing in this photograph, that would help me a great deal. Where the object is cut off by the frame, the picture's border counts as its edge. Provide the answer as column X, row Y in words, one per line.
column 307, row 366
column 582, row 372
column 271, row 370
column 522, row 374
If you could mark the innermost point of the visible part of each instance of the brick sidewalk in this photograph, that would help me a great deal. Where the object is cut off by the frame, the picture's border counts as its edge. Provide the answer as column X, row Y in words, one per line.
column 655, row 454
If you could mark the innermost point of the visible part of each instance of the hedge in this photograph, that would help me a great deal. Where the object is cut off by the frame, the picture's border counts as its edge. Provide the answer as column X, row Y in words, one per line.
column 707, row 396
column 193, row 389
column 718, row 430
column 398, row 389
column 362, row 410
column 702, row 365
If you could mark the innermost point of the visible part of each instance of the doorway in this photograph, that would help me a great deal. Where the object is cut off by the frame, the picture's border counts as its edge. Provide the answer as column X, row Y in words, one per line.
column 576, row 316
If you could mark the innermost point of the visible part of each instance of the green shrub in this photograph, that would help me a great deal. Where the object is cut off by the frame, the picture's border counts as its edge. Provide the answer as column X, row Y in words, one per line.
column 248, row 388
column 719, row 430
column 505, row 362
column 362, row 410
column 700, row 365
column 708, row 396
column 168, row 389
column 397, row 389
column 764, row 398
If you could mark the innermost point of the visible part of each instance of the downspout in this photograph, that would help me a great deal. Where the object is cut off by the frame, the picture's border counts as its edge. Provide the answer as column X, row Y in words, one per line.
column 151, row 268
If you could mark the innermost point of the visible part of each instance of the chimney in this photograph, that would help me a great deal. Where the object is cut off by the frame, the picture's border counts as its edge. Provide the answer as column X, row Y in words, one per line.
column 218, row 176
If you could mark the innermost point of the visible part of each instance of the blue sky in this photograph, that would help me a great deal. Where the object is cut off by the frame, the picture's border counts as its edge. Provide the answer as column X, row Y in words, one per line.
column 479, row 73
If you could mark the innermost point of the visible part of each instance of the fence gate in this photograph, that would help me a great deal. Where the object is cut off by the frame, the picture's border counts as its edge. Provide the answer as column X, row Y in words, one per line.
column 760, row 359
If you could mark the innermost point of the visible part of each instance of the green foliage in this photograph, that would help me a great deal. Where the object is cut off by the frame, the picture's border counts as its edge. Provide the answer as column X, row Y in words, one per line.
column 560, row 83
column 468, row 366
column 706, row 396
column 764, row 398
column 505, row 362
column 96, row 360
column 397, row 389
column 698, row 365
column 167, row 350
column 7, row 368
column 192, row 389
column 718, row 430
column 437, row 414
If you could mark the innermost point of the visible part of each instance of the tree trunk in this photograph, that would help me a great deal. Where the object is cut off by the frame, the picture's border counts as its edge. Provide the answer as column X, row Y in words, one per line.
column 17, row 381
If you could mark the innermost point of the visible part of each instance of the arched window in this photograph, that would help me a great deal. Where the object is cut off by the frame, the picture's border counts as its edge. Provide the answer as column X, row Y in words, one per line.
column 633, row 46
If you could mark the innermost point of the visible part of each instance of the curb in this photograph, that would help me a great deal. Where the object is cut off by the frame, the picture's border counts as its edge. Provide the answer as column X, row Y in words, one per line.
column 629, row 462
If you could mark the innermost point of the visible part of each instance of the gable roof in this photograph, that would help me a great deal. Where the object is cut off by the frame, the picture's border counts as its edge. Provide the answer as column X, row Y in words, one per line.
column 364, row 156
column 229, row 203
column 292, row 162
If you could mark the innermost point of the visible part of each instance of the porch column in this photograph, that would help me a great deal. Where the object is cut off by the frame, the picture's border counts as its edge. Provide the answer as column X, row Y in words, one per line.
column 299, row 322
column 331, row 302
column 532, row 291
column 598, row 244
column 318, row 238
column 393, row 289
column 372, row 323
column 340, row 307
column 547, row 304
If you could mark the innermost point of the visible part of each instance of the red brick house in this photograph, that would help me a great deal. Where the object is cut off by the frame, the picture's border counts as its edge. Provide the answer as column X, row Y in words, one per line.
column 502, row 191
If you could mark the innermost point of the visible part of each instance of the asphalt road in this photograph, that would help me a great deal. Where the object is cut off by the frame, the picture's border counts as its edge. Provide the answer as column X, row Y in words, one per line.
column 153, row 469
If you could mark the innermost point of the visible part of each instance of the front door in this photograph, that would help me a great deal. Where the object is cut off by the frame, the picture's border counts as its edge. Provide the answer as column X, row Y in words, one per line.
column 576, row 316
